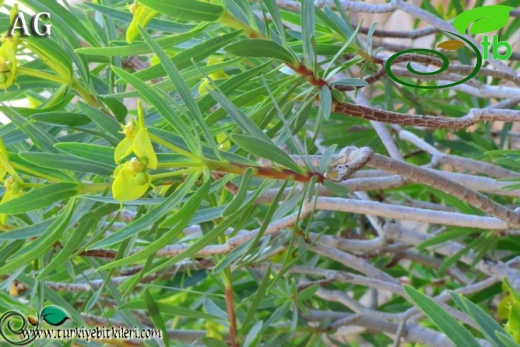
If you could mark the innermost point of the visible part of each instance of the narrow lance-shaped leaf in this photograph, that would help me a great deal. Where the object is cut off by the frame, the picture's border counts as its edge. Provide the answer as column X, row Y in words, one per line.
column 240, row 195
column 185, row 58
column 266, row 150
column 42, row 244
column 181, row 86
column 39, row 198
column 455, row 331
column 241, row 119
column 325, row 101
column 488, row 325
column 102, row 154
column 155, row 314
column 308, row 34
column 187, row 10
column 259, row 48
column 142, row 48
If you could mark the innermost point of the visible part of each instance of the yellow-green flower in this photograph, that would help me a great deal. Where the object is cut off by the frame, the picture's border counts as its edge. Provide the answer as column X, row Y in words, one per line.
column 144, row 150
column 137, row 140
column 5, row 164
column 131, row 180
column 8, row 60
column 141, row 16
column 124, row 148
column 12, row 191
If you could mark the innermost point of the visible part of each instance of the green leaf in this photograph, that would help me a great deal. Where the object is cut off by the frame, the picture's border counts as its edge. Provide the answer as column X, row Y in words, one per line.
column 42, row 244
column 259, row 48
column 40, row 138
column 54, row 315
column 457, row 333
column 167, row 308
column 185, row 58
column 259, row 294
column 67, row 162
column 254, row 334
column 507, row 340
column 126, row 18
column 187, row 10
column 240, row 195
column 181, row 86
column 62, row 118
column 70, row 247
column 104, row 121
column 30, row 168
column 29, row 231
column 349, row 82
column 142, row 47
column 308, row 33
column 272, row 7
column 266, row 150
column 101, row 154
column 473, row 245
column 52, row 53
column 445, row 237
column 325, row 102
column 489, row 327
column 201, row 243
column 211, row 342
column 242, row 120
column 55, row 299
column 39, row 198
column 155, row 314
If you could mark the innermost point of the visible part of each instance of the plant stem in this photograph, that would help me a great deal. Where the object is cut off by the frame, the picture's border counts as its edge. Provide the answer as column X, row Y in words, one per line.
column 93, row 187
column 42, row 75
column 33, row 172
column 228, row 19
column 259, row 171
column 174, row 148
column 86, row 95
column 230, row 306
column 173, row 173
column 230, row 303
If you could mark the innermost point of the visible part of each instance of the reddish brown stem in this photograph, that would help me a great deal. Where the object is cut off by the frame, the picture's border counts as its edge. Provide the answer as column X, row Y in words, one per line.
column 401, row 118
column 308, row 74
column 230, row 307
column 267, row 172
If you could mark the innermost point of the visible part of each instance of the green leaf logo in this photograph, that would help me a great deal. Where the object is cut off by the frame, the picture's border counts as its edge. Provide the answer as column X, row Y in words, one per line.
column 54, row 315
column 486, row 18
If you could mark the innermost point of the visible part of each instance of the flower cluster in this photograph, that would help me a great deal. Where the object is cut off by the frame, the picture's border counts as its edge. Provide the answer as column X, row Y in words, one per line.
column 141, row 16
column 12, row 184
column 132, row 179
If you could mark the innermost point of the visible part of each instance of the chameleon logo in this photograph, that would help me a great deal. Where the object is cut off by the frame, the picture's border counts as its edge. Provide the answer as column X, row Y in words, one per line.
column 485, row 19
column 14, row 327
